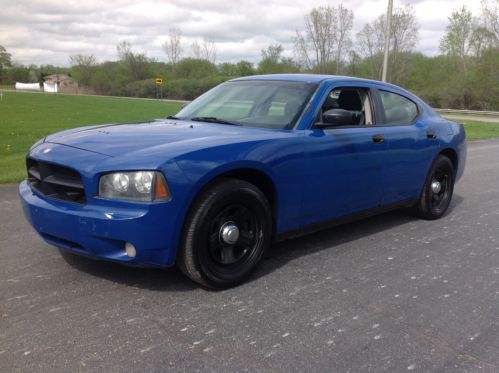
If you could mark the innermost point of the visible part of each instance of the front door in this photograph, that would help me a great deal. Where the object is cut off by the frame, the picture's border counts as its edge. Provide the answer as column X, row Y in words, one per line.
column 344, row 163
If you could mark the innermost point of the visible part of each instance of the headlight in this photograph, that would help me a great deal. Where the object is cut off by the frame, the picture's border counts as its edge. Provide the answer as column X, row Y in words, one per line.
column 137, row 186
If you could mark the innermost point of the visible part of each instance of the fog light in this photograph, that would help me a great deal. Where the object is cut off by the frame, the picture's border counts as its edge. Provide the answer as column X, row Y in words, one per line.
column 130, row 250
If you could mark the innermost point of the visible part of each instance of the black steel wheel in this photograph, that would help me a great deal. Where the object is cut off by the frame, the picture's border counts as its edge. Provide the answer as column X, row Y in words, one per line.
column 438, row 189
column 226, row 232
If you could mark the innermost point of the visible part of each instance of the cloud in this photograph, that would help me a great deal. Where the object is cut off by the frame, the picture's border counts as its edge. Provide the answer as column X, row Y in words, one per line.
column 48, row 31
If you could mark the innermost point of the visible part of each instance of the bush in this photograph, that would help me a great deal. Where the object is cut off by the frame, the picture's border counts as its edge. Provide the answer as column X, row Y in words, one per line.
column 244, row 68
column 141, row 88
column 17, row 74
column 193, row 68
column 109, row 78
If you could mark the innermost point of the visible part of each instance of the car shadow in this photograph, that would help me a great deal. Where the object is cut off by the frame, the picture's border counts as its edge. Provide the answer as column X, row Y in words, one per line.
column 157, row 279
column 171, row 279
column 331, row 239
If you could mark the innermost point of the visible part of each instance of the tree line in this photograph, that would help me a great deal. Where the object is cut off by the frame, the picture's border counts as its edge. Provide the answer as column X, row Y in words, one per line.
column 464, row 75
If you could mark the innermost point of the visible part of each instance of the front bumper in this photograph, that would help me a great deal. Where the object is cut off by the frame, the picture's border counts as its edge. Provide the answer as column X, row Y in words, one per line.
column 101, row 231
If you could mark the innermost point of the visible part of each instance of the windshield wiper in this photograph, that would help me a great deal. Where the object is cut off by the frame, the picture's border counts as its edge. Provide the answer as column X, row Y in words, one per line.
column 214, row 120
column 172, row 117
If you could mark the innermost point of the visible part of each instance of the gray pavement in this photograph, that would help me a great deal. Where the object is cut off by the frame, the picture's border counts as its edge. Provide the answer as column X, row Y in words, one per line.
column 387, row 294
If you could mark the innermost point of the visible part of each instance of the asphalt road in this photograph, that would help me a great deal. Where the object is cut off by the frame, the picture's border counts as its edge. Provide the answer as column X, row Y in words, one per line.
column 387, row 294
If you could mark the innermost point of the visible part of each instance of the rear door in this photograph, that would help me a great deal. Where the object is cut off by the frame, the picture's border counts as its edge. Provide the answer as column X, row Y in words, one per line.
column 411, row 145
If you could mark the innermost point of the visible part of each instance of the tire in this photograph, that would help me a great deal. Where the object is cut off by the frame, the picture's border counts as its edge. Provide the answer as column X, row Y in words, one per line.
column 211, row 252
column 435, row 198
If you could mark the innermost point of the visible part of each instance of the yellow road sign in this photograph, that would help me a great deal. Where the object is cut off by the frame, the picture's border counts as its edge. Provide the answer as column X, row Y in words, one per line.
column 159, row 81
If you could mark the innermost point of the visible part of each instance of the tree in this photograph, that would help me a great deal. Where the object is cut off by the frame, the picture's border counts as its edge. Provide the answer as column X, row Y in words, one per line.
column 481, row 40
column 206, row 50
column 354, row 63
column 227, row 69
column 485, row 81
column 173, row 46
column 272, row 53
column 466, row 37
column 490, row 11
column 242, row 68
column 245, row 68
column 5, row 61
column 196, row 50
column 124, row 49
column 458, row 37
column 272, row 62
column 135, row 63
column 403, row 38
column 209, row 49
column 17, row 74
column 370, row 44
column 326, row 37
column 194, row 68
column 82, row 67
column 5, row 58
column 343, row 39
column 110, row 78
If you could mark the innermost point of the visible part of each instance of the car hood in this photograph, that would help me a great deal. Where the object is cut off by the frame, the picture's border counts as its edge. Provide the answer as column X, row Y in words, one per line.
column 157, row 136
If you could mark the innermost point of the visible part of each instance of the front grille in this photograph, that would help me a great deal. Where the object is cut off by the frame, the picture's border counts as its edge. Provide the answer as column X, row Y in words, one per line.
column 55, row 181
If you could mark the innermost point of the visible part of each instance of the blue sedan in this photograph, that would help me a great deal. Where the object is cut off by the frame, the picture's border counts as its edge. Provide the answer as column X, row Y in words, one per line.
column 253, row 160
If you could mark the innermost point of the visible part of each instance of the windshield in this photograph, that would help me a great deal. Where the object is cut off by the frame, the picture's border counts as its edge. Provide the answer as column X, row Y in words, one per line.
column 257, row 103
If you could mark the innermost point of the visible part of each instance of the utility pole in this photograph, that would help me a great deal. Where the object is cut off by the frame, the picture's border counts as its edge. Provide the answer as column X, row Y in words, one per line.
column 387, row 38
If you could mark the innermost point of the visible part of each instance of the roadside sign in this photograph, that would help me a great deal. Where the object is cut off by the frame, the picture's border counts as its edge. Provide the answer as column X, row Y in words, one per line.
column 159, row 87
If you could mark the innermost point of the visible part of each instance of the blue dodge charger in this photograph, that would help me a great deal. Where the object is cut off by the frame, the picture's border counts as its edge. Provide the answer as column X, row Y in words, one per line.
column 253, row 160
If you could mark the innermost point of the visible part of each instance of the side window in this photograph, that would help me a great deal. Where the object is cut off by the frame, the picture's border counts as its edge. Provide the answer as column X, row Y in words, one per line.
column 397, row 108
column 355, row 101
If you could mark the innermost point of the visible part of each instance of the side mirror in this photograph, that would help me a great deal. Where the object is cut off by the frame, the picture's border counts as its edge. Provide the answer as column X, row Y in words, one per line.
column 339, row 117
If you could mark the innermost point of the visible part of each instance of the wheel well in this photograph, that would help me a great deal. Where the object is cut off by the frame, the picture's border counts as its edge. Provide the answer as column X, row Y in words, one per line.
column 452, row 155
column 255, row 177
column 258, row 179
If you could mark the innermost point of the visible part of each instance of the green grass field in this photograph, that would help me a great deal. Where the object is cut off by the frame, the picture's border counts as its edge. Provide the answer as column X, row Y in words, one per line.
column 480, row 130
column 27, row 117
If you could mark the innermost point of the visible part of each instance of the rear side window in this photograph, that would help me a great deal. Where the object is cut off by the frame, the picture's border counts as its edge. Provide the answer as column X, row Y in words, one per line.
column 398, row 109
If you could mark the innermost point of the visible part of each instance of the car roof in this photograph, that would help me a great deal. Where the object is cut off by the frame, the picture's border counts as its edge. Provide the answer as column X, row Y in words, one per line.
column 306, row 78
column 312, row 78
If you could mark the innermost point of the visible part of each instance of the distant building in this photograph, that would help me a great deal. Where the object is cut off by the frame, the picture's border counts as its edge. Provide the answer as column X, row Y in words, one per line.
column 57, row 78
column 65, row 83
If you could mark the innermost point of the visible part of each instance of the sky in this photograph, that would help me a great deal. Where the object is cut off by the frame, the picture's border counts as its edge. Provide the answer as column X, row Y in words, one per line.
column 49, row 31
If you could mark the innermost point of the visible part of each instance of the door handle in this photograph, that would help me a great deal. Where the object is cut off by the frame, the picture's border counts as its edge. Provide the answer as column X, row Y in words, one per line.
column 378, row 139
column 431, row 135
